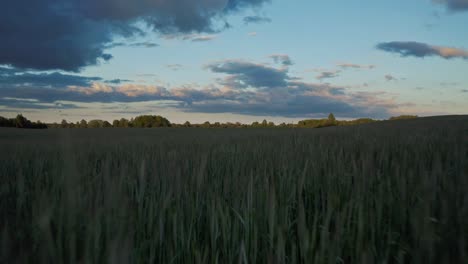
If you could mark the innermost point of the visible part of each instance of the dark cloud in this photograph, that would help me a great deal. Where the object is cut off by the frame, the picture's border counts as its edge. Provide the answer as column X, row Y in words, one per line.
column 33, row 104
column 83, row 95
column 236, row 5
column 72, row 34
column 464, row 91
column 282, row 59
column 256, row 20
column 144, row 44
column 10, row 77
column 246, row 74
column 454, row 5
column 48, row 34
column 420, row 50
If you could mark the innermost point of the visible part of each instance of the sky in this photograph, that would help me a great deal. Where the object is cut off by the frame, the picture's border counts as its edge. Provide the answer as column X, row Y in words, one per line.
column 232, row 60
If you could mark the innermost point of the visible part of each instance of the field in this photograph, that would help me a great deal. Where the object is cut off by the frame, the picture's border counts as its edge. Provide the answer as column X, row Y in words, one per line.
column 389, row 192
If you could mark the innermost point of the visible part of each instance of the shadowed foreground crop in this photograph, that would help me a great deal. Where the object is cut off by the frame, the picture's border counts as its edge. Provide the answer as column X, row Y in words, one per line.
column 389, row 192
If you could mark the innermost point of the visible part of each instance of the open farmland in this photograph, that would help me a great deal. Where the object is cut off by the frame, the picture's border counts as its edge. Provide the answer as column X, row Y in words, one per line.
column 387, row 192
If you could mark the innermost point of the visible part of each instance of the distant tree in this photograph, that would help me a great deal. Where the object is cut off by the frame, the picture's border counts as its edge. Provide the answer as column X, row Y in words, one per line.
column 264, row 123
column 5, row 122
column 95, row 123
column 64, row 124
column 83, row 123
column 206, row 124
column 124, row 122
column 147, row 121
column 331, row 118
column 187, row 124
column 116, row 123
column 22, row 122
column 40, row 125
column 106, row 124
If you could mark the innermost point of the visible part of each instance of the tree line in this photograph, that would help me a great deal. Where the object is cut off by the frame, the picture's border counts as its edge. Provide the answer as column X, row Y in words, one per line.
column 21, row 122
column 152, row 121
column 144, row 121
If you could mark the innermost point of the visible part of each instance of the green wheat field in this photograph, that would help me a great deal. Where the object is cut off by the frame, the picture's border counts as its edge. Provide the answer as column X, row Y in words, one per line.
column 387, row 192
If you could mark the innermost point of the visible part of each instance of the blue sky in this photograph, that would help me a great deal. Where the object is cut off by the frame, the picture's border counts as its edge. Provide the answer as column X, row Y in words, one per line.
column 233, row 60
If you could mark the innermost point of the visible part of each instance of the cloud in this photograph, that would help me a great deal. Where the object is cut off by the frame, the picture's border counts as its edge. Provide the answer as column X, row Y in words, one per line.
column 243, row 74
column 282, row 59
column 252, row 34
column 420, row 50
column 454, row 5
column 12, row 77
column 146, row 44
column 117, row 81
column 297, row 100
column 256, row 20
column 72, row 34
column 389, row 77
column 248, row 88
column 46, row 35
column 464, row 91
column 328, row 75
column 11, row 102
column 355, row 66
column 191, row 37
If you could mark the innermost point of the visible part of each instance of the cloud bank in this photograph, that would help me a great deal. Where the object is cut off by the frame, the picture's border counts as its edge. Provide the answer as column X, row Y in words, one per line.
column 246, row 88
column 421, row 50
